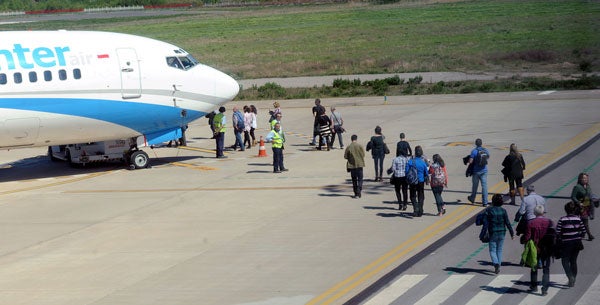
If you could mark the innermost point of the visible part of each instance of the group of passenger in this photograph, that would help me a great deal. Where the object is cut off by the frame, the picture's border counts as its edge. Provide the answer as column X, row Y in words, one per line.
column 408, row 172
column 542, row 240
column 411, row 172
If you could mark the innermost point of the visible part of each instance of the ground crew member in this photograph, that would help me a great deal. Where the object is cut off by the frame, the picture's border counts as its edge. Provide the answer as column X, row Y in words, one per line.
column 277, row 138
column 219, row 122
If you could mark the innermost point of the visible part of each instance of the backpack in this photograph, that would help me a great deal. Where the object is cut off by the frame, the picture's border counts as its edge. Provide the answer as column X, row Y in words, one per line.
column 482, row 157
column 438, row 178
column 412, row 177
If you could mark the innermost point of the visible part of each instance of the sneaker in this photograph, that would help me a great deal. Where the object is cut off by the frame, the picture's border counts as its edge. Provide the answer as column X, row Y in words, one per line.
column 544, row 292
column 533, row 289
column 222, row 157
column 443, row 211
column 341, row 147
column 470, row 199
column 312, row 143
column 276, row 172
column 497, row 269
column 285, row 170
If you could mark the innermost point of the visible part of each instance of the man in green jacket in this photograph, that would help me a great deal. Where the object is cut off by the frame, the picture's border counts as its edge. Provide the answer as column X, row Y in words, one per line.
column 355, row 154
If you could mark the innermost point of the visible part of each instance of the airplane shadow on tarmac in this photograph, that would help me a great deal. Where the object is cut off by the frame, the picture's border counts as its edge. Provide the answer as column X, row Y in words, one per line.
column 41, row 167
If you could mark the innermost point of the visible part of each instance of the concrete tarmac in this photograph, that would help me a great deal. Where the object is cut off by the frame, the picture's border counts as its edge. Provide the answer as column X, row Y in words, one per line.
column 198, row 230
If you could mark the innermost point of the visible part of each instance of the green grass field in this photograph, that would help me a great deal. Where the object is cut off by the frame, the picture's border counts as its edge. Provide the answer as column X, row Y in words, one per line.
column 409, row 36
column 358, row 38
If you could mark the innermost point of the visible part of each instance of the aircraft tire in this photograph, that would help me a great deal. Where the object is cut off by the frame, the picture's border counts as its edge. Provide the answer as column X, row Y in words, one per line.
column 52, row 157
column 139, row 159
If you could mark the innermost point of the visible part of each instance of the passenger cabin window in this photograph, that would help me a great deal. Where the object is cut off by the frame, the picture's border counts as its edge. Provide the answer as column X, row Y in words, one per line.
column 33, row 77
column 182, row 62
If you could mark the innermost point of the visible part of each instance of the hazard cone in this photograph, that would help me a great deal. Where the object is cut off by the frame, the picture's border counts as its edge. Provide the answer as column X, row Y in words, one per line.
column 262, row 152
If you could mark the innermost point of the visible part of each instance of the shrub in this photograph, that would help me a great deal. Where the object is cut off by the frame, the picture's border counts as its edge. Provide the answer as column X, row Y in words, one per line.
column 271, row 91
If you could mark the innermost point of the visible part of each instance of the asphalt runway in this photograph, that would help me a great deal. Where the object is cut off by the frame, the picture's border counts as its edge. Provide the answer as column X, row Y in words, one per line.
column 197, row 230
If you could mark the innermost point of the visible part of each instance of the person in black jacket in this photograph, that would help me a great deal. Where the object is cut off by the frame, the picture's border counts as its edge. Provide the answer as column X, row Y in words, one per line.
column 514, row 165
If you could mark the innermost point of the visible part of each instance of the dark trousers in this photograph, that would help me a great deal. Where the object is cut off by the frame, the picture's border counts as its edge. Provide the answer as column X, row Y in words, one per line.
column 220, row 140
column 417, row 197
column 544, row 264
column 570, row 251
column 401, row 184
column 437, row 194
column 357, row 180
column 278, row 159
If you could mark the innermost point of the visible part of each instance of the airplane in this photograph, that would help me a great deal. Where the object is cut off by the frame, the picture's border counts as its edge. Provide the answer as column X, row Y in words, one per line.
column 91, row 95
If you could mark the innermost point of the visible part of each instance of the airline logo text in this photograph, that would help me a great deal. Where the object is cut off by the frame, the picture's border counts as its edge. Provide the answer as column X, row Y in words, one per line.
column 27, row 58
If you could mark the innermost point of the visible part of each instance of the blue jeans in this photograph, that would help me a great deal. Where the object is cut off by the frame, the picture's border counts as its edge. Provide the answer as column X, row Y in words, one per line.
column 238, row 140
column 496, row 243
column 544, row 264
column 480, row 176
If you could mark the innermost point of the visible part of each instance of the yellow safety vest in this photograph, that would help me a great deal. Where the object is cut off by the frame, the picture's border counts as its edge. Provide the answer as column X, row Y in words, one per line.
column 217, row 122
column 277, row 139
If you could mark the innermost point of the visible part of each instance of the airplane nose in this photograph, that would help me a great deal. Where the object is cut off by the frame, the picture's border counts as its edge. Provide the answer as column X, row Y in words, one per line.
column 227, row 87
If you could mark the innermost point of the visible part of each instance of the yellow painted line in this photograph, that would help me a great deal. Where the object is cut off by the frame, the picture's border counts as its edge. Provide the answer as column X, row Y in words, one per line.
column 392, row 256
column 368, row 272
column 192, row 166
column 212, row 151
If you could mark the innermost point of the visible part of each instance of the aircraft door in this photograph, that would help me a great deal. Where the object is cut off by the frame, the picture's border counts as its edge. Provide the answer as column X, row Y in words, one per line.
column 131, row 82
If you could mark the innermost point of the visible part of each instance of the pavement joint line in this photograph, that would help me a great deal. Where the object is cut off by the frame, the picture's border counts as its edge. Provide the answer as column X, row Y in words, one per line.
column 90, row 176
column 558, row 152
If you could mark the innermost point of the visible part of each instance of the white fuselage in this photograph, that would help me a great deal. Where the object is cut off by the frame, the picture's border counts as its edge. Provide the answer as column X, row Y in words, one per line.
column 64, row 87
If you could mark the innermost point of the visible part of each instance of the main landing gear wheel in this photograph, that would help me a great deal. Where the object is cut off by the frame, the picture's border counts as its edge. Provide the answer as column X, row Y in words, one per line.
column 139, row 159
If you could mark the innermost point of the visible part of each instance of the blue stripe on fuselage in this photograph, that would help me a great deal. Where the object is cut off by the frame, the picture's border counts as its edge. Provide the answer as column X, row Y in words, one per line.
column 142, row 117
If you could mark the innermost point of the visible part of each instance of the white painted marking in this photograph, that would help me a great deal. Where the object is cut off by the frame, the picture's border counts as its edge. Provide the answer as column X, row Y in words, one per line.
column 497, row 287
column 396, row 289
column 592, row 295
column 445, row 289
column 547, row 92
column 537, row 298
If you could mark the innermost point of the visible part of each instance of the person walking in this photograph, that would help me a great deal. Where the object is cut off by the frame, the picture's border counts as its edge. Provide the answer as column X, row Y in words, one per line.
column 399, row 181
column 417, row 191
column 254, row 124
column 249, row 117
column 569, row 231
column 238, row 128
column 277, row 138
column 478, row 159
column 377, row 147
column 219, row 122
column 324, row 131
column 403, row 147
column 581, row 195
column 537, row 229
column 317, row 110
column 337, row 122
column 526, row 210
column 514, row 165
column 498, row 223
column 355, row 154
column 439, row 180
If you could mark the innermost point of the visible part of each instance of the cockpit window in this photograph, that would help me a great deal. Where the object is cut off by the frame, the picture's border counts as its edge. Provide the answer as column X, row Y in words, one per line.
column 182, row 62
